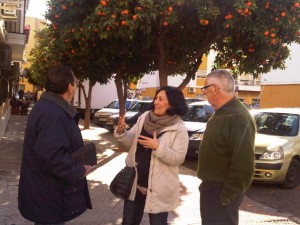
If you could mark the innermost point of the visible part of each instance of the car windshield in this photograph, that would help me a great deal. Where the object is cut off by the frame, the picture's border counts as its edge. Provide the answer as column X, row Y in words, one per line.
column 115, row 105
column 278, row 124
column 140, row 107
column 199, row 113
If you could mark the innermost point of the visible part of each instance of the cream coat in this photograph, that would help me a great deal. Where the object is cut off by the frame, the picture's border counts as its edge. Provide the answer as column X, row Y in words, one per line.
column 163, row 184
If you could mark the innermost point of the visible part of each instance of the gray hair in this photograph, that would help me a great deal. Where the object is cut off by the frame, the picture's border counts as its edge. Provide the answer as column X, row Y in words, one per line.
column 224, row 79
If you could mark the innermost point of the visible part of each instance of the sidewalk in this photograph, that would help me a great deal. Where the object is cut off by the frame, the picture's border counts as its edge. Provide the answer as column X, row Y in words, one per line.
column 107, row 209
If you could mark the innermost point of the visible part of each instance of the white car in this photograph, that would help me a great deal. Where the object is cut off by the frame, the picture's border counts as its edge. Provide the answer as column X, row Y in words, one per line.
column 131, row 115
column 101, row 116
column 195, row 121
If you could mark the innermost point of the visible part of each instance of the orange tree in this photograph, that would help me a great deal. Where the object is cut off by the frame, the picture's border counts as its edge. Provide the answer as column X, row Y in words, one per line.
column 41, row 58
column 250, row 36
column 125, row 38
column 79, row 43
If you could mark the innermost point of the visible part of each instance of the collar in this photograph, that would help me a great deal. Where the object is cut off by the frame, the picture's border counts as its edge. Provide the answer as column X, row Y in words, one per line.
column 227, row 103
column 60, row 101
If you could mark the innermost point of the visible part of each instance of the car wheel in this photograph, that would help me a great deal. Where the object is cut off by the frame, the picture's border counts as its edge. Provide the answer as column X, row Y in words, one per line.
column 292, row 178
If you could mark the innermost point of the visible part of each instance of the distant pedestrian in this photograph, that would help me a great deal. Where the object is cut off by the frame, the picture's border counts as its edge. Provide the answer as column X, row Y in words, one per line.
column 226, row 154
column 21, row 94
column 52, row 187
column 157, row 144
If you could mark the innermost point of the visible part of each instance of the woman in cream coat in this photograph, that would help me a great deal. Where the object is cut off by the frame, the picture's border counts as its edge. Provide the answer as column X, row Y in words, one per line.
column 157, row 145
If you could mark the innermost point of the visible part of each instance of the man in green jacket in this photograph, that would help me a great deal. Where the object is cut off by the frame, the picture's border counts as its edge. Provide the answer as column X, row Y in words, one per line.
column 226, row 155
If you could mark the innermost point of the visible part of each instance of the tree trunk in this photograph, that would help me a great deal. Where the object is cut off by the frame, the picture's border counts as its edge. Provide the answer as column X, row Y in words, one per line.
column 88, row 102
column 191, row 74
column 163, row 78
column 122, row 92
column 122, row 96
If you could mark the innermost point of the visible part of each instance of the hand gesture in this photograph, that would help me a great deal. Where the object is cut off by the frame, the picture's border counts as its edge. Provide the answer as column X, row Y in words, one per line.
column 147, row 142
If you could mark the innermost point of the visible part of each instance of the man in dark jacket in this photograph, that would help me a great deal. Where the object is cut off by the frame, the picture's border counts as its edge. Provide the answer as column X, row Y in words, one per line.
column 53, row 188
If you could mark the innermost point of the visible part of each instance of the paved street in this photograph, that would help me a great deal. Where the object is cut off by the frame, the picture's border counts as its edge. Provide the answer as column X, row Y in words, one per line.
column 107, row 209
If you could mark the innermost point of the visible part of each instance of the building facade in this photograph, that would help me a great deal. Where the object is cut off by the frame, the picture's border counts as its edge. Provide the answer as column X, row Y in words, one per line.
column 281, row 88
column 13, row 38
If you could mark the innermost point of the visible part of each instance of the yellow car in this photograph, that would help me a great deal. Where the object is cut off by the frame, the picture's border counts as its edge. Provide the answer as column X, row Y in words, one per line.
column 277, row 146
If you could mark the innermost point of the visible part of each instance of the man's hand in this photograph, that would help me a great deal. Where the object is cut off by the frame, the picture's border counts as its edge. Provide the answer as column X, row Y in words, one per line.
column 87, row 170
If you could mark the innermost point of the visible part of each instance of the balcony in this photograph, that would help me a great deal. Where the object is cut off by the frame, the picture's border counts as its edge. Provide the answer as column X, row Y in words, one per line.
column 12, row 29
column 17, row 43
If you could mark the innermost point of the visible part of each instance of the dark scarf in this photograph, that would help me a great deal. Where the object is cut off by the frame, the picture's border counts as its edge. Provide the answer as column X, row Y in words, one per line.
column 60, row 101
column 158, row 123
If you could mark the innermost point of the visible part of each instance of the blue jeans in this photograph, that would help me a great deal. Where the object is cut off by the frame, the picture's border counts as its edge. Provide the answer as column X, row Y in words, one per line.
column 212, row 211
column 133, row 212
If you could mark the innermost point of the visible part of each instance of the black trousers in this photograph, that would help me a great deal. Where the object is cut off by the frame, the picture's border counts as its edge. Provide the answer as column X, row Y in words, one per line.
column 133, row 212
column 212, row 211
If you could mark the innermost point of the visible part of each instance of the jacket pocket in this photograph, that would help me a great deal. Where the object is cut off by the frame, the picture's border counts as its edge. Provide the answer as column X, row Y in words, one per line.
column 74, row 199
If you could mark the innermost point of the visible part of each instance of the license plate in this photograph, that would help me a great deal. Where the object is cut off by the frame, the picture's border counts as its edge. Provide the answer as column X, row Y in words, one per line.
column 103, row 119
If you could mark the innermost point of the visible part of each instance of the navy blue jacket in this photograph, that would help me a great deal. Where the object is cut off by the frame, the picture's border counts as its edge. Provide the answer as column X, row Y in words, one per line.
column 51, row 187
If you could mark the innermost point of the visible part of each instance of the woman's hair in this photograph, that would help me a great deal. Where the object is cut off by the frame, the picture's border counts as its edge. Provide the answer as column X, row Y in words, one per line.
column 176, row 100
column 58, row 79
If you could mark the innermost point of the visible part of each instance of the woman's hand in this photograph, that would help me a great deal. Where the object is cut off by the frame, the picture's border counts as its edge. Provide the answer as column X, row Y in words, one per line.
column 121, row 125
column 147, row 142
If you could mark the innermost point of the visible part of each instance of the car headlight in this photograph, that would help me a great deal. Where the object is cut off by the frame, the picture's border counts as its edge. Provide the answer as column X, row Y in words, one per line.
column 196, row 136
column 273, row 153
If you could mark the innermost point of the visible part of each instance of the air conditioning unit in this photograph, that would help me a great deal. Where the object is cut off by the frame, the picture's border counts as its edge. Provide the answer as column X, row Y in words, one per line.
column 9, row 12
column 192, row 90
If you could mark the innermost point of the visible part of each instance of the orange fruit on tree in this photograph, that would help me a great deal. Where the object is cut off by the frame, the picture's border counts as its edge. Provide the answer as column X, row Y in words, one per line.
column 248, row 4
column 273, row 35
column 64, row 7
column 103, row 3
column 165, row 23
column 123, row 22
column 125, row 12
column 273, row 41
column 170, row 9
column 139, row 8
column 134, row 17
column 266, row 33
column 296, row 4
column 283, row 14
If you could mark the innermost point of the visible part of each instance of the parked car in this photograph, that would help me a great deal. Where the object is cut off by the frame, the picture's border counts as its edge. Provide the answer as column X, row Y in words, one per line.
column 191, row 100
column 195, row 121
column 131, row 115
column 277, row 146
column 101, row 116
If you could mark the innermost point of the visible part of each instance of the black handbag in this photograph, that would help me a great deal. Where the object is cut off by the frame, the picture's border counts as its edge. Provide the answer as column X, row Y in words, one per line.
column 121, row 185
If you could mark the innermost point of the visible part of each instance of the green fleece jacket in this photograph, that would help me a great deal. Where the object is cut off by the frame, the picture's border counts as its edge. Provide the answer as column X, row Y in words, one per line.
column 226, row 152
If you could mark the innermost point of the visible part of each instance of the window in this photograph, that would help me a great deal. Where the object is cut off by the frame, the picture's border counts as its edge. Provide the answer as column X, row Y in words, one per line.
column 278, row 124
